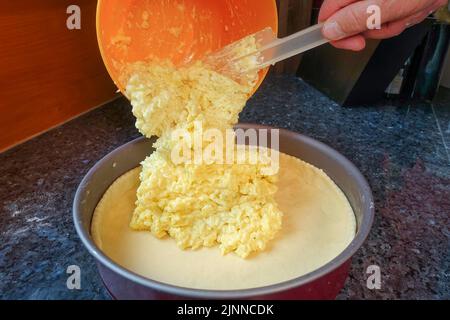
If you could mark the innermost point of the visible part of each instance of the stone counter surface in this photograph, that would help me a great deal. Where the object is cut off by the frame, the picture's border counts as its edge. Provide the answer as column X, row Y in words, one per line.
column 402, row 149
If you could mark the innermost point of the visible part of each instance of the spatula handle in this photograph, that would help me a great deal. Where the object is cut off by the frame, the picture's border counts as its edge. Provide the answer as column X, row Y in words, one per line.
column 281, row 49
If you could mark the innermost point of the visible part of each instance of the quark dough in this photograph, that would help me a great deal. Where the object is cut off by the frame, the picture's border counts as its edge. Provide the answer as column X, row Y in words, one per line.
column 318, row 224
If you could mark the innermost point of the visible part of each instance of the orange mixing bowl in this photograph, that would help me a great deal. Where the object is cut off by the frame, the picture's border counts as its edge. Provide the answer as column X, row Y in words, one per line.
column 179, row 30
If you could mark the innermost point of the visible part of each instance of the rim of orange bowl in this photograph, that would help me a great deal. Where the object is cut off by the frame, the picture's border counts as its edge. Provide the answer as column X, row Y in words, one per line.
column 103, row 55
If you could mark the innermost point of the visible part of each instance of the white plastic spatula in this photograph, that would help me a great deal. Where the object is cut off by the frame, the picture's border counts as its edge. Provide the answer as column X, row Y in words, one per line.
column 271, row 50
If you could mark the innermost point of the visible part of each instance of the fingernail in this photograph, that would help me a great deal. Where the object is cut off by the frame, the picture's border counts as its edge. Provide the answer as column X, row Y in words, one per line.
column 333, row 31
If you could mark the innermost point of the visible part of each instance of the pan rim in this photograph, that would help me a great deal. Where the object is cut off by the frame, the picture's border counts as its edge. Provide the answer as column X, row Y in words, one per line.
column 360, row 237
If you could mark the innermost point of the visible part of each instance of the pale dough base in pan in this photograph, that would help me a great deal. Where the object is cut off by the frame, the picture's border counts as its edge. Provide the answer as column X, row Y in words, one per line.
column 318, row 224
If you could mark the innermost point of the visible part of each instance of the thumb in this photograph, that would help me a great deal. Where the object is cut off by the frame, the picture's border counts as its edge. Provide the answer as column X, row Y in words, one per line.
column 348, row 21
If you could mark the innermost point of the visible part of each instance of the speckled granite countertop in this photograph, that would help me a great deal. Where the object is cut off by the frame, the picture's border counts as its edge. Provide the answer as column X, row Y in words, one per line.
column 402, row 150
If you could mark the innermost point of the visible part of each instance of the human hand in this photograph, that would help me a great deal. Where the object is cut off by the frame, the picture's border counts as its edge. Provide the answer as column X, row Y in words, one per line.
column 346, row 20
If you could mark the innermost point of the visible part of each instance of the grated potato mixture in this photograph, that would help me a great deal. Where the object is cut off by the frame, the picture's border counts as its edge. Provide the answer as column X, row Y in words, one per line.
column 204, row 204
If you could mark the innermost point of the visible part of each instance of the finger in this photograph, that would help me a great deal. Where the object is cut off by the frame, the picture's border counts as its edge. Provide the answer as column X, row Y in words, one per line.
column 437, row 5
column 354, row 43
column 352, row 19
column 420, row 16
column 329, row 7
column 388, row 30
column 394, row 28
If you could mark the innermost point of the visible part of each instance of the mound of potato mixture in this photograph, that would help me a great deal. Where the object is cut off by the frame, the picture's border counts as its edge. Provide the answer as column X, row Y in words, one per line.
column 199, row 203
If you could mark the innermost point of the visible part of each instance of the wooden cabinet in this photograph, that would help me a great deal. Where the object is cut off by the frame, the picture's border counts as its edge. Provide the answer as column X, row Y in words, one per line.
column 48, row 73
